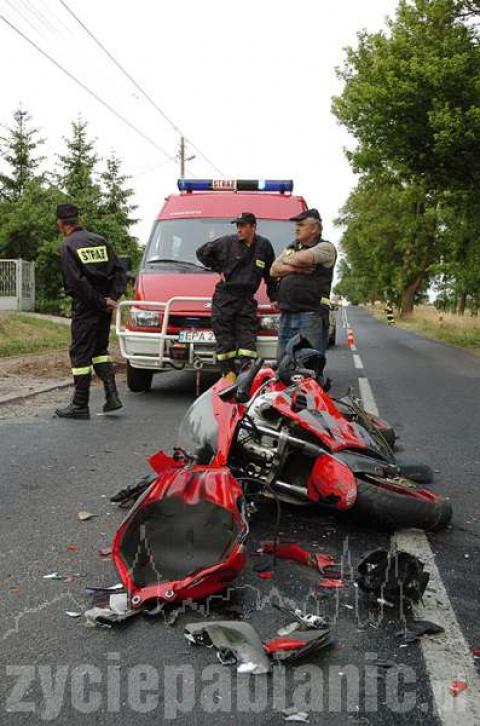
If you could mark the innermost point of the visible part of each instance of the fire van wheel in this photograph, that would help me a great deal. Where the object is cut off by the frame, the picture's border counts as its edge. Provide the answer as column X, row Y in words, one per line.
column 138, row 380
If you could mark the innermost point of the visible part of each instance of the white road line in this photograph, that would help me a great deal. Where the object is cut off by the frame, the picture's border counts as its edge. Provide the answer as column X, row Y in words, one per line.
column 366, row 395
column 357, row 361
column 447, row 657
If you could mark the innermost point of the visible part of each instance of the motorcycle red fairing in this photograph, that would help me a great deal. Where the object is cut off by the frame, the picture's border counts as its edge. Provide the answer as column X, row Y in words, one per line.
column 184, row 537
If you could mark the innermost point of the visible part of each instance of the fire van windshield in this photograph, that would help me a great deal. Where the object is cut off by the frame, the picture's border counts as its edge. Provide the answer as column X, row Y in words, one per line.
column 177, row 240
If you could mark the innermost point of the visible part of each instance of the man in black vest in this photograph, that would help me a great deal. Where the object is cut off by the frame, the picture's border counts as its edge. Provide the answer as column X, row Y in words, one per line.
column 305, row 269
column 95, row 278
column 242, row 261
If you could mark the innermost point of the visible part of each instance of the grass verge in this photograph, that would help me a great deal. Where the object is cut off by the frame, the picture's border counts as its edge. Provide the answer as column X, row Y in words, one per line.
column 462, row 330
column 22, row 334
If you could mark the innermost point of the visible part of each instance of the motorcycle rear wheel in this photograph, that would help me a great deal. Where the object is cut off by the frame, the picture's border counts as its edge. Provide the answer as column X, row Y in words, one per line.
column 392, row 510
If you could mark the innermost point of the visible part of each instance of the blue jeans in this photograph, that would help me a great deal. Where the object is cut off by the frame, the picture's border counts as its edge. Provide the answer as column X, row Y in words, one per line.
column 312, row 325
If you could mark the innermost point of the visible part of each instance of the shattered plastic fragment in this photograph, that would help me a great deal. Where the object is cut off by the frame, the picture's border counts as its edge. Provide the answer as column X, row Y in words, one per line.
column 72, row 614
column 456, row 687
column 416, row 628
column 329, row 583
column 232, row 638
column 293, row 551
column 288, row 629
column 105, row 552
column 85, row 516
column 299, row 716
column 476, row 652
column 72, row 548
column 118, row 610
column 53, row 576
column 308, row 620
column 266, row 575
column 394, row 575
column 308, row 642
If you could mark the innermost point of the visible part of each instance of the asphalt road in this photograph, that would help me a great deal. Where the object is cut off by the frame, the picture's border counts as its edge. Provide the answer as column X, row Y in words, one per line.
column 53, row 669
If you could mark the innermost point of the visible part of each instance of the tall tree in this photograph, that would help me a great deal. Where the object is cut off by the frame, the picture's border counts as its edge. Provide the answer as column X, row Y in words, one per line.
column 78, row 170
column 115, row 210
column 18, row 147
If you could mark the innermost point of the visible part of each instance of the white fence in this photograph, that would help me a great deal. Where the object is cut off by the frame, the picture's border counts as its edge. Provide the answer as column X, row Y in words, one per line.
column 17, row 285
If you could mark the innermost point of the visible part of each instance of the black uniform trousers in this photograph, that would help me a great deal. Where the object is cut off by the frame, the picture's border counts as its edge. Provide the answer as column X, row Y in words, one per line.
column 234, row 323
column 90, row 333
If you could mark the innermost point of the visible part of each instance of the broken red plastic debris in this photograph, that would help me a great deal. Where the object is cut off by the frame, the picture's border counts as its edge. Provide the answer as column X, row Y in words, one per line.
column 476, row 652
column 266, row 575
column 457, row 687
column 73, row 548
column 328, row 582
column 275, row 644
column 293, row 551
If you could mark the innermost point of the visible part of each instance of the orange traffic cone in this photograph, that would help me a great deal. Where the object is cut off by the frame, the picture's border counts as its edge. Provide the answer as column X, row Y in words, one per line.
column 350, row 338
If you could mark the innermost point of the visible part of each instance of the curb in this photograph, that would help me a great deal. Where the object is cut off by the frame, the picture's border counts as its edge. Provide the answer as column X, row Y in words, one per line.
column 41, row 389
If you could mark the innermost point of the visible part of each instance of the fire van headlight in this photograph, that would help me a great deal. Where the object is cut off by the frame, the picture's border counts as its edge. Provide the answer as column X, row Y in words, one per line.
column 145, row 318
column 269, row 322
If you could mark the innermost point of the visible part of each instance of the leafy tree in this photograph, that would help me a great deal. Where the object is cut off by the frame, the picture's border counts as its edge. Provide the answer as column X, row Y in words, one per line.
column 411, row 99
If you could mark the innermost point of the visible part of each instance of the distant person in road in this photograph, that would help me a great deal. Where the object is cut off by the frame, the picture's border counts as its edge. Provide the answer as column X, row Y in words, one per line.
column 389, row 313
column 305, row 269
column 242, row 261
column 95, row 278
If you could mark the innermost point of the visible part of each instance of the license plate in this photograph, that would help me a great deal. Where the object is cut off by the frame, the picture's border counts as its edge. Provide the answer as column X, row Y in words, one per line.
column 196, row 336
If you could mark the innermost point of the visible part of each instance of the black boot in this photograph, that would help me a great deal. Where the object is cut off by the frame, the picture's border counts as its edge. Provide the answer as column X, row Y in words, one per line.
column 78, row 408
column 104, row 370
column 112, row 402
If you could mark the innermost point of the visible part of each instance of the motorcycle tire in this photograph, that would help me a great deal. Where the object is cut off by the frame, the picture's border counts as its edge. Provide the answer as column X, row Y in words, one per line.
column 420, row 473
column 392, row 510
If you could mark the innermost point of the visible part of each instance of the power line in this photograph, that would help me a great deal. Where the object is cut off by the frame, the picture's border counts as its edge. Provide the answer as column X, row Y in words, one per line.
column 88, row 90
column 138, row 86
column 37, row 14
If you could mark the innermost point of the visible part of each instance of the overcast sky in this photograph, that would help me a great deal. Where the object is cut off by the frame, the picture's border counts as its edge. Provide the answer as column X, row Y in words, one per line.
column 249, row 82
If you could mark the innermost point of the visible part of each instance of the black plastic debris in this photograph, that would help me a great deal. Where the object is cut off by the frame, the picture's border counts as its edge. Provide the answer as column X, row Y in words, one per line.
column 127, row 496
column 414, row 629
column 392, row 577
column 235, row 642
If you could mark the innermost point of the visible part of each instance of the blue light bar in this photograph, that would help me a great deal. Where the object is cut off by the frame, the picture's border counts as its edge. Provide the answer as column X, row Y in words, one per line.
column 235, row 185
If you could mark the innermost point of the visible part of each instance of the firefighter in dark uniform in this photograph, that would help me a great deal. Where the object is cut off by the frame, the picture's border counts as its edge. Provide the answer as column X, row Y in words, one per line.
column 95, row 279
column 241, row 260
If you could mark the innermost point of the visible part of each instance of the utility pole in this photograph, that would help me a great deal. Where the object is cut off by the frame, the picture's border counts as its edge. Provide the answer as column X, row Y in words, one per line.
column 181, row 156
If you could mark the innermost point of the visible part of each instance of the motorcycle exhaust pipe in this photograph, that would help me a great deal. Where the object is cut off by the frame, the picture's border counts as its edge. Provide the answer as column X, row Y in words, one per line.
column 299, row 492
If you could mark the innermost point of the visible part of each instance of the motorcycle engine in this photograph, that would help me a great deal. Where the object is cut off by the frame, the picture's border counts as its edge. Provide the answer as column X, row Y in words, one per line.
column 255, row 449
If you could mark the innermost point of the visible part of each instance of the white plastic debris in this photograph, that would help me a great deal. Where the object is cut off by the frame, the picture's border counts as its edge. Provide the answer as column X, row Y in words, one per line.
column 72, row 614
column 53, row 576
column 85, row 516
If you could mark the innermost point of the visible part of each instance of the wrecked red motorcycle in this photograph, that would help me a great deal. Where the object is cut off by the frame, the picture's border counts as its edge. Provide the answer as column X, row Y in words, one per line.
column 276, row 433
column 287, row 436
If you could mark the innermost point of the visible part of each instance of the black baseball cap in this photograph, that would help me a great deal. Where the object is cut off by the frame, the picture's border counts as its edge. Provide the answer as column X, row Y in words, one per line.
column 245, row 218
column 67, row 212
column 313, row 213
